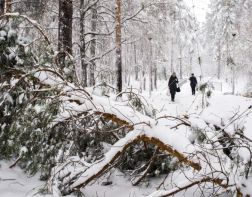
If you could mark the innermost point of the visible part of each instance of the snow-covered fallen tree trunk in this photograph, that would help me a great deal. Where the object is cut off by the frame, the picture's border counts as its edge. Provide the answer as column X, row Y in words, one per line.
column 135, row 136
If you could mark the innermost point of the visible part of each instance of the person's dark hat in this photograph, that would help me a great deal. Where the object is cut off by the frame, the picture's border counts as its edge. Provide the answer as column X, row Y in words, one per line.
column 192, row 73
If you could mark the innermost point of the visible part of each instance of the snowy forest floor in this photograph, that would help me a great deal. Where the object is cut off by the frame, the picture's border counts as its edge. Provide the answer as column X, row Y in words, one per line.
column 222, row 106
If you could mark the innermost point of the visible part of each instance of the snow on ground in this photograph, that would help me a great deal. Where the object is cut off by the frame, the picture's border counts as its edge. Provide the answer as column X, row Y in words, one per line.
column 121, row 187
column 185, row 102
column 15, row 183
column 222, row 109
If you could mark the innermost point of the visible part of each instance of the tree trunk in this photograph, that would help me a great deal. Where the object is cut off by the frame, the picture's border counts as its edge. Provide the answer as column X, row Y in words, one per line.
column 219, row 62
column 180, row 63
column 144, row 80
column 135, row 62
column 2, row 5
column 5, row 6
column 172, row 42
column 155, row 76
column 150, row 68
column 125, row 70
column 93, row 44
column 165, row 73
column 172, row 52
column 233, row 79
column 82, row 43
column 189, row 67
column 190, row 63
column 118, row 45
column 65, row 30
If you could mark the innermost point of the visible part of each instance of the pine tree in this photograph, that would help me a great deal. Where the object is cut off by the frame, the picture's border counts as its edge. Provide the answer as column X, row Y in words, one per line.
column 65, row 30
column 94, row 19
column 118, row 35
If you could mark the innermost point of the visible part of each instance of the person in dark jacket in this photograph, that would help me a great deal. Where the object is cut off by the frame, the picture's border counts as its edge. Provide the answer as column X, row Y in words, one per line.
column 173, row 81
column 193, row 83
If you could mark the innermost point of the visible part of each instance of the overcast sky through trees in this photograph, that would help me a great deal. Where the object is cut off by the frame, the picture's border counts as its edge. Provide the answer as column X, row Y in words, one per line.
column 201, row 7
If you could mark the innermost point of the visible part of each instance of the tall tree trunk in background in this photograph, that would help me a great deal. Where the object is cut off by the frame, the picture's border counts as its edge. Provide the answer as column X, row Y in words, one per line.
column 8, row 6
column 219, row 61
column 172, row 52
column 135, row 62
column 172, row 42
column 125, row 70
column 233, row 78
column 155, row 76
column 93, row 44
column 180, row 62
column 65, row 30
column 150, row 67
column 2, row 5
column 128, row 64
column 82, row 43
column 5, row 6
column 142, row 68
column 154, row 63
column 190, row 60
column 118, row 45
column 144, row 79
column 165, row 73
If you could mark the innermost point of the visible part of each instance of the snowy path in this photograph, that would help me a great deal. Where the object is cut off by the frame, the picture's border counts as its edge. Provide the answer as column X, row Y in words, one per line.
column 185, row 102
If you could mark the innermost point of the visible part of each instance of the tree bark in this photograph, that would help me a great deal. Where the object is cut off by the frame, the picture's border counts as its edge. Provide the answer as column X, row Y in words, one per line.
column 125, row 71
column 5, row 6
column 190, row 63
column 172, row 42
column 150, row 68
column 155, row 76
column 82, row 43
column 2, row 3
column 172, row 52
column 144, row 80
column 65, row 30
column 180, row 62
column 118, row 45
column 233, row 79
column 93, row 44
column 219, row 61
column 135, row 61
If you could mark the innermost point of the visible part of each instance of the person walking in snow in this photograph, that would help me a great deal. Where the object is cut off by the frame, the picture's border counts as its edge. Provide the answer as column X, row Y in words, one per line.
column 193, row 83
column 172, row 84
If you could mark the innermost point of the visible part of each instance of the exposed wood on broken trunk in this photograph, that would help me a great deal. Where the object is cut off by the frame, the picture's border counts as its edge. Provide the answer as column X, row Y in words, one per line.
column 103, row 168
